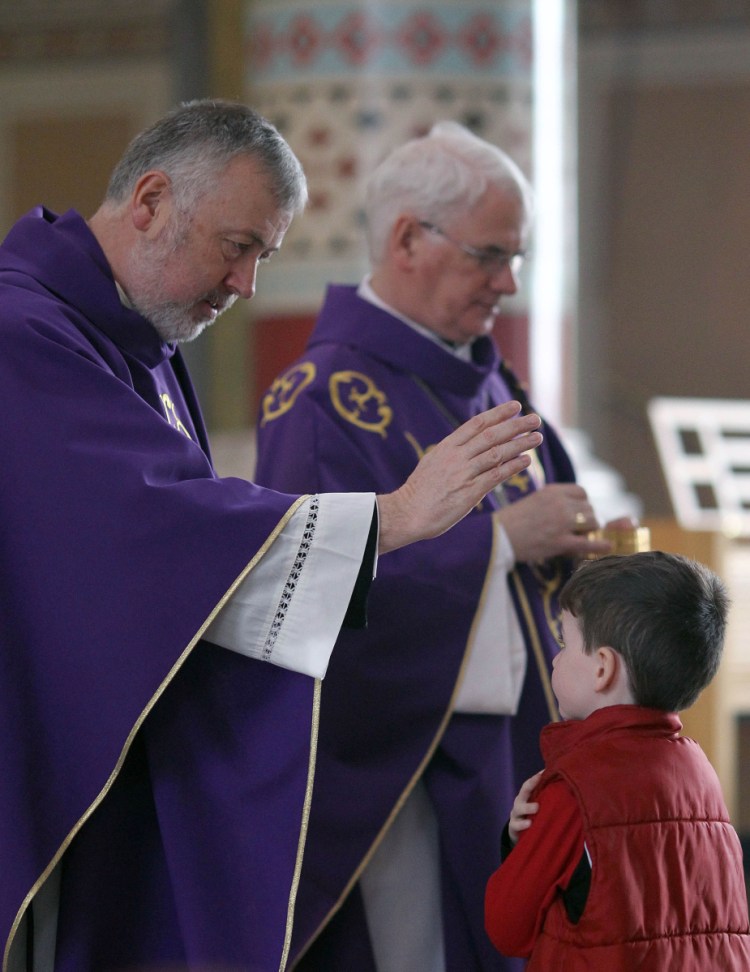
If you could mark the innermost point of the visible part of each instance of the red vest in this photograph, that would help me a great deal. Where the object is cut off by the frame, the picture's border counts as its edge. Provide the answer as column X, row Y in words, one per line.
column 667, row 886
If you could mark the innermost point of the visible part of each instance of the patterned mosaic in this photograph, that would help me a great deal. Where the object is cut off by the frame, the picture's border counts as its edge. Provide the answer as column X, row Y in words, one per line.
column 446, row 37
column 347, row 83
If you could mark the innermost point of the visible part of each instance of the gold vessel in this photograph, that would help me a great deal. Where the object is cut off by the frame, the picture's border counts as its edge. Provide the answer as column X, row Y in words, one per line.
column 626, row 540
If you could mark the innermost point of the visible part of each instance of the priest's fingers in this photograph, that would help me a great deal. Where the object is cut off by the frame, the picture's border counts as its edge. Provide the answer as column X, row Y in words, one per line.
column 453, row 476
column 496, row 426
column 485, row 443
column 495, row 437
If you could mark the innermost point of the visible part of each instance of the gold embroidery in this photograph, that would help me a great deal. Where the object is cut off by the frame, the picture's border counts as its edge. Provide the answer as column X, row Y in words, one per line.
column 172, row 416
column 415, row 445
column 536, row 645
column 283, row 393
column 358, row 400
column 521, row 481
column 549, row 576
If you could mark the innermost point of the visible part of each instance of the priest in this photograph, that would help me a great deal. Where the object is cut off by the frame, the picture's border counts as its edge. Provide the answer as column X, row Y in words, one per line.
column 165, row 630
column 430, row 715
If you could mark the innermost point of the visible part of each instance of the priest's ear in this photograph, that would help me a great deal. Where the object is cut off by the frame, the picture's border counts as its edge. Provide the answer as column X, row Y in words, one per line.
column 404, row 240
column 151, row 202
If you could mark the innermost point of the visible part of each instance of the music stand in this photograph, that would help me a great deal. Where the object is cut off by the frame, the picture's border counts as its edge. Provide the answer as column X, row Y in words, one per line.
column 704, row 448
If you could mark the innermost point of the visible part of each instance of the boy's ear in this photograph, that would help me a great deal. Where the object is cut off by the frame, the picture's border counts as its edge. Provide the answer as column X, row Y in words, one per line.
column 606, row 668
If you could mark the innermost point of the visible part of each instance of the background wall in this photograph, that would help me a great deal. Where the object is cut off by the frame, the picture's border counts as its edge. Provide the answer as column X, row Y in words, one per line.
column 664, row 188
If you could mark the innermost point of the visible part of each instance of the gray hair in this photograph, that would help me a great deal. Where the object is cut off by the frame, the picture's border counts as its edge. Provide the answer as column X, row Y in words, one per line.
column 437, row 177
column 196, row 141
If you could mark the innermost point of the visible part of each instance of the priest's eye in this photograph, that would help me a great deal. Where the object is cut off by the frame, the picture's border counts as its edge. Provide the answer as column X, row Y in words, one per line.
column 232, row 249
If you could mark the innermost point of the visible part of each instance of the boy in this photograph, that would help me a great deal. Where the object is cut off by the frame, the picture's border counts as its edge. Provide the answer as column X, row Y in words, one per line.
column 630, row 862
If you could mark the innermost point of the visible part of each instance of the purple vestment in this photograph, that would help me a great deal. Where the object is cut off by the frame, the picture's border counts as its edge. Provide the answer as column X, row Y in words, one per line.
column 355, row 412
column 168, row 774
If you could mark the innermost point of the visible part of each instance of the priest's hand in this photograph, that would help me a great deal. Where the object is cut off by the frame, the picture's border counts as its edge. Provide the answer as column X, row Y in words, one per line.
column 550, row 522
column 453, row 476
column 556, row 520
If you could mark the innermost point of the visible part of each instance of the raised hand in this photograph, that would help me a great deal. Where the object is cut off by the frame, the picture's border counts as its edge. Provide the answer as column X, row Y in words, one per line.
column 451, row 478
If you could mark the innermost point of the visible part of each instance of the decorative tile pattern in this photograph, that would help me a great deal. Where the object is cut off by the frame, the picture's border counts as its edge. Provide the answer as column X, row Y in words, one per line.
column 345, row 85
column 445, row 37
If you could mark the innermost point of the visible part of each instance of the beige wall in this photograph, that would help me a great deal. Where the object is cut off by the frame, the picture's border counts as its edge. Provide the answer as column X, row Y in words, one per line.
column 45, row 159
column 63, row 126
column 665, row 222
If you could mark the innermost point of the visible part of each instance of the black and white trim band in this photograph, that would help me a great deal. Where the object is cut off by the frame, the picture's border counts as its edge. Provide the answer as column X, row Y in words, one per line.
column 292, row 580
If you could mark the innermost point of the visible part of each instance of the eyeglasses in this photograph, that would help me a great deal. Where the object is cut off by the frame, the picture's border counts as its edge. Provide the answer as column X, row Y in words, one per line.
column 492, row 259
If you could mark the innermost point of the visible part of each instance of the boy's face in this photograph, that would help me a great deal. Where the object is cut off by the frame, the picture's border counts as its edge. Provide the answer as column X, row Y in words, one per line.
column 573, row 673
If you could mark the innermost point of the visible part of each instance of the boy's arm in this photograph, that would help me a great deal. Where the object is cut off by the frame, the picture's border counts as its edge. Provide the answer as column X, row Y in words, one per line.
column 522, row 889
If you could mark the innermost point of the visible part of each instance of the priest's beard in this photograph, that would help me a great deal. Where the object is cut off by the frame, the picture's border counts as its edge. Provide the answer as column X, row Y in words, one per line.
column 173, row 320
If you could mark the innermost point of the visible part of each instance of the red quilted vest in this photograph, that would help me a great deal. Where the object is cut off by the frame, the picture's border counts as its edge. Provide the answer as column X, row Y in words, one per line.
column 667, row 886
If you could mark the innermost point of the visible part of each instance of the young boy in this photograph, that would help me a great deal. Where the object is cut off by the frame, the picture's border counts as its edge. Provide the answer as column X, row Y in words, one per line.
column 620, row 854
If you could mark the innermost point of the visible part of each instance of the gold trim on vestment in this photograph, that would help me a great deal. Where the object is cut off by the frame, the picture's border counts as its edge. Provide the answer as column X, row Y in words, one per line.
column 536, row 646
column 139, row 722
column 304, row 825
column 418, row 772
column 536, row 472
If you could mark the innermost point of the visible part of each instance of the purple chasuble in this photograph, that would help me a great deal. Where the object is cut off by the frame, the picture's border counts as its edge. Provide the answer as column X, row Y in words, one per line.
column 166, row 775
column 355, row 412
